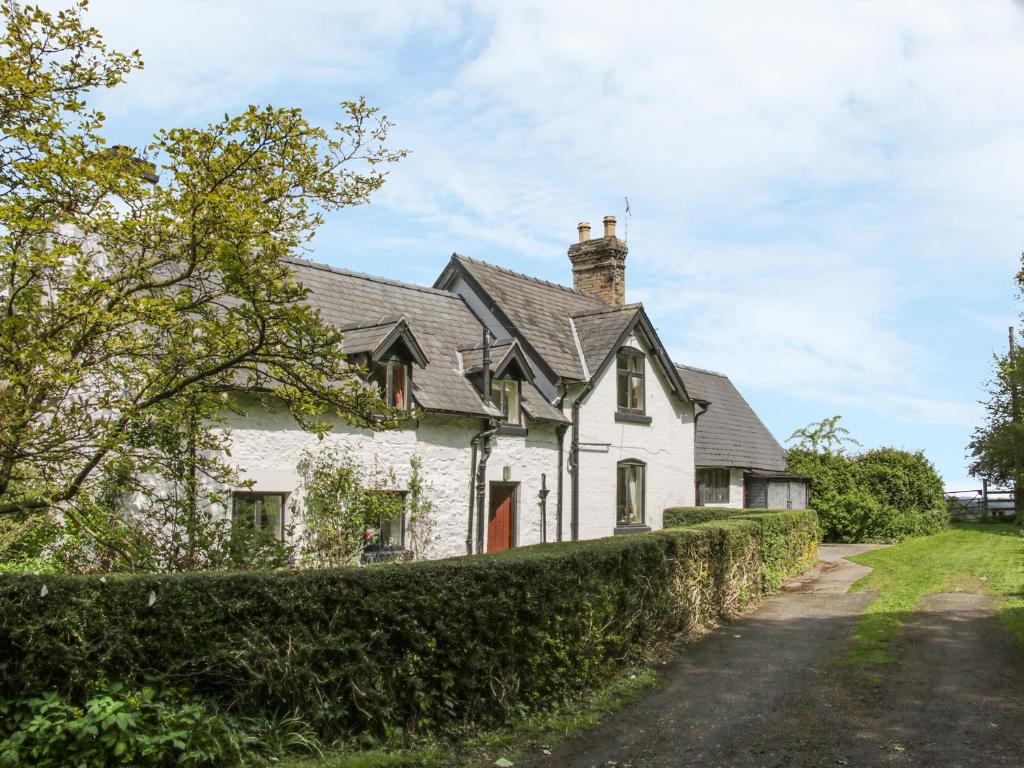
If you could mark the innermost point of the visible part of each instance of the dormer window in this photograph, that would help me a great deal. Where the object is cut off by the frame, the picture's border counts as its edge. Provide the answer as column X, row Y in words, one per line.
column 392, row 377
column 505, row 397
column 630, row 368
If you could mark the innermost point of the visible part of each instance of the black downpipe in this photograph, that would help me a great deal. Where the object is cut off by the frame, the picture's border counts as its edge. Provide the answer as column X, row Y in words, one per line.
column 574, row 467
column 472, row 498
column 481, row 480
column 560, row 434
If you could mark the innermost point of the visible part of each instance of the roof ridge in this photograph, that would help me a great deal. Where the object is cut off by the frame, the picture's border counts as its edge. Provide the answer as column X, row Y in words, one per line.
column 372, row 278
column 609, row 310
column 524, row 276
column 701, row 370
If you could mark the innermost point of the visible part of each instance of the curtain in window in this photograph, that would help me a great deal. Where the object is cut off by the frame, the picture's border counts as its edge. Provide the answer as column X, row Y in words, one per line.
column 633, row 492
column 398, row 384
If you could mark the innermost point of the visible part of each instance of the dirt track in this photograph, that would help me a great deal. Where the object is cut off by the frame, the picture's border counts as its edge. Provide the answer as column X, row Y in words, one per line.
column 766, row 691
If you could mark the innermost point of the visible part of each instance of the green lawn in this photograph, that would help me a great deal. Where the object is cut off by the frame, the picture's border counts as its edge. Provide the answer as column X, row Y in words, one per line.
column 970, row 557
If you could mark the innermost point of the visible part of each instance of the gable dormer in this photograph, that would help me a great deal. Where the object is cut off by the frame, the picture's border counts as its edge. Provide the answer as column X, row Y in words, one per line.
column 389, row 350
column 499, row 371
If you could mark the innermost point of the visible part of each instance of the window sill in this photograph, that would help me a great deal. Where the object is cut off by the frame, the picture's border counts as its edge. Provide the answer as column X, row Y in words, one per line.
column 632, row 418
column 385, row 555
column 513, row 430
column 625, row 530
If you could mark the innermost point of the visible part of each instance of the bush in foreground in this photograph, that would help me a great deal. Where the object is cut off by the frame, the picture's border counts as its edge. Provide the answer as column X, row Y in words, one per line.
column 399, row 648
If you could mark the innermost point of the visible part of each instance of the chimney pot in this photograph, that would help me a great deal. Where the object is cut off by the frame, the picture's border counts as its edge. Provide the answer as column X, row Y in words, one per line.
column 599, row 265
column 609, row 226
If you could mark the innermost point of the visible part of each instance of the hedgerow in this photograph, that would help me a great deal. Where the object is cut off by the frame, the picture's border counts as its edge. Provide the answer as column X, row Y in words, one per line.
column 415, row 647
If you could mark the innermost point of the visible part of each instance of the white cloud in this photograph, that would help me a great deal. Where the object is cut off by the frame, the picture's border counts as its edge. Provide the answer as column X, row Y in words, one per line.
column 799, row 172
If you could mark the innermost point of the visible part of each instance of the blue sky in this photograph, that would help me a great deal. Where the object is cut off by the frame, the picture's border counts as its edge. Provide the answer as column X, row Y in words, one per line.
column 825, row 196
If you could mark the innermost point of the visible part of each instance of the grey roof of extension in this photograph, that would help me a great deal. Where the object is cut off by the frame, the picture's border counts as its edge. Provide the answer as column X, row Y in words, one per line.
column 729, row 434
column 535, row 310
column 440, row 320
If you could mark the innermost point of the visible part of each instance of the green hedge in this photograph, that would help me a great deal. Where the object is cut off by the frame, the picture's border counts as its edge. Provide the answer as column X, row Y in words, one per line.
column 416, row 646
column 677, row 517
column 788, row 538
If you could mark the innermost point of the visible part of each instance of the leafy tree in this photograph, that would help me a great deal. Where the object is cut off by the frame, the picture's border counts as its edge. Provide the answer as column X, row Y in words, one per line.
column 882, row 494
column 132, row 312
column 994, row 448
column 824, row 436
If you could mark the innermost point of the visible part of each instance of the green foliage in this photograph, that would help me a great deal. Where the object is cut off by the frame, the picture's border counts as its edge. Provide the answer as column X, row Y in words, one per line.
column 825, row 436
column 119, row 727
column 998, row 441
column 134, row 312
column 787, row 540
column 677, row 517
column 401, row 648
column 344, row 507
column 883, row 494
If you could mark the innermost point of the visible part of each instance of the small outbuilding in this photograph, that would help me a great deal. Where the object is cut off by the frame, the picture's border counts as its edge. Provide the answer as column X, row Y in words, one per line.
column 739, row 463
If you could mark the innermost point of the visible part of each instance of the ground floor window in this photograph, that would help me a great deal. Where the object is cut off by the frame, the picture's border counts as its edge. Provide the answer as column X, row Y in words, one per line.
column 630, row 495
column 387, row 530
column 712, row 486
column 259, row 512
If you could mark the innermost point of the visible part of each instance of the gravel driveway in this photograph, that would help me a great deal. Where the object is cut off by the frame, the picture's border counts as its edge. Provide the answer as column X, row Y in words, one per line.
column 766, row 690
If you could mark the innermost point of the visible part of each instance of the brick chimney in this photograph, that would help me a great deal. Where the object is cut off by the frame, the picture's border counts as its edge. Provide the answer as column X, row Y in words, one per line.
column 599, row 265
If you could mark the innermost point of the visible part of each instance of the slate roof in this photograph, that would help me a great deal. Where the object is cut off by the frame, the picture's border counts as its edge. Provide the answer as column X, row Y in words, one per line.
column 377, row 338
column 729, row 434
column 536, row 310
column 598, row 332
column 440, row 320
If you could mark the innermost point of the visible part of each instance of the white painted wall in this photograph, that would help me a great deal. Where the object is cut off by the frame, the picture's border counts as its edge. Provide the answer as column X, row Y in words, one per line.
column 666, row 445
column 735, row 491
column 267, row 446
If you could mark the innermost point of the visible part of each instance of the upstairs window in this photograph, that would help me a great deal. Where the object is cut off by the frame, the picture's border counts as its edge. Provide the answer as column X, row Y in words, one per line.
column 630, row 366
column 712, row 486
column 259, row 512
column 505, row 397
column 393, row 379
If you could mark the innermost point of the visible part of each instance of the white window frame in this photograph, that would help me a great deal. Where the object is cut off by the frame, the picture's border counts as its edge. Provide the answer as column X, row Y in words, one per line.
column 500, row 389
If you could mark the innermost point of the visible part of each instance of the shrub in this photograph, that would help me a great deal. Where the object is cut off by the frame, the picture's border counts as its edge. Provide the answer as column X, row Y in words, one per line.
column 118, row 727
column 883, row 494
column 412, row 646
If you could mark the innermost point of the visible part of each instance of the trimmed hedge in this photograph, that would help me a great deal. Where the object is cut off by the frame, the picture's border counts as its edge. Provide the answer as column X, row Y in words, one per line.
column 677, row 517
column 417, row 646
column 788, row 537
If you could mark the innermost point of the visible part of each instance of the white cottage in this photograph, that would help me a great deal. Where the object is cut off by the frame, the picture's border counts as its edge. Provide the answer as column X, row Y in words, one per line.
column 544, row 412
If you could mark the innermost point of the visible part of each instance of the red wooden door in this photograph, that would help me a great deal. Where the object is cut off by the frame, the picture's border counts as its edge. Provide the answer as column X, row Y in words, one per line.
column 499, row 524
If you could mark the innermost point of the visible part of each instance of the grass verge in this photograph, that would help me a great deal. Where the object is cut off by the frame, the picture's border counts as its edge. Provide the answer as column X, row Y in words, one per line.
column 982, row 557
column 479, row 748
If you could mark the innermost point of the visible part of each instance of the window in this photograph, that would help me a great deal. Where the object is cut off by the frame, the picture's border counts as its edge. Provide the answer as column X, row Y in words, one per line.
column 630, row 364
column 505, row 396
column 712, row 486
column 393, row 380
column 631, row 492
column 385, row 541
column 259, row 512
column 389, row 531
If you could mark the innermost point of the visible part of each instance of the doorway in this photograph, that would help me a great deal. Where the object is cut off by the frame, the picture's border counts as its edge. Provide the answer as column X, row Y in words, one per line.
column 502, row 517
